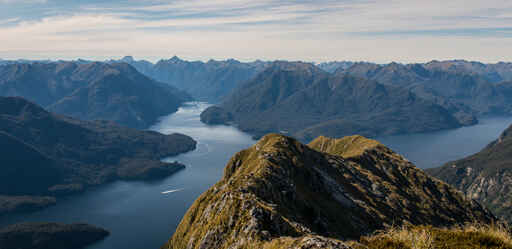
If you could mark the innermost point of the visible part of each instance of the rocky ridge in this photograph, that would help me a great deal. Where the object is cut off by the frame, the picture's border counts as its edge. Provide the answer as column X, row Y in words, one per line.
column 282, row 194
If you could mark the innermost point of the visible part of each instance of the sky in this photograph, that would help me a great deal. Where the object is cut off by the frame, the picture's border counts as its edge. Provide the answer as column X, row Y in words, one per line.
column 309, row 30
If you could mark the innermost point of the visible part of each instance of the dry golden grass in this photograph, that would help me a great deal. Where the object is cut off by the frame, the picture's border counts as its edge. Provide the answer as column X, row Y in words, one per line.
column 350, row 146
column 472, row 236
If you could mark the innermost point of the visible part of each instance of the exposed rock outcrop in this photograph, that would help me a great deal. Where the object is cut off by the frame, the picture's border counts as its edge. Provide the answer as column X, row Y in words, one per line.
column 283, row 194
column 485, row 176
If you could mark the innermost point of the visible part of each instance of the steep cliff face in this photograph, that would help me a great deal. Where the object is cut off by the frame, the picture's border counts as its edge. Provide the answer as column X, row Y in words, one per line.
column 282, row 194
column 485, row 176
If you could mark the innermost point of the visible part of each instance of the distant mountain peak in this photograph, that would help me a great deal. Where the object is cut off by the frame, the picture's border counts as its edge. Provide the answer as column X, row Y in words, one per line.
column 128, row 59
column 333, row 66
column 294, row 66
column 175, row 59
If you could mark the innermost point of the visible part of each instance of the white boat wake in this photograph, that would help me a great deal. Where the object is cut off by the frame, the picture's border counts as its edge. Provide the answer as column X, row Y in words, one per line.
column 172, row 191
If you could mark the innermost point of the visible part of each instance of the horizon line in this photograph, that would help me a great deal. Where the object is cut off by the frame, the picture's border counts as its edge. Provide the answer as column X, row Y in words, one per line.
column 155, row 60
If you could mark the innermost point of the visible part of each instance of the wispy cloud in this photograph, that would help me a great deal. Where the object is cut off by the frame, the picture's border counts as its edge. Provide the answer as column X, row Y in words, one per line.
column 8, row 21
column 377, row 30
column 461, row 32
column 21, row 1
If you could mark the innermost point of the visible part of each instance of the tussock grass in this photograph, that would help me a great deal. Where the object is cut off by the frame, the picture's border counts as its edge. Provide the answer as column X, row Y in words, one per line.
column 471, row 236
column 350, row 146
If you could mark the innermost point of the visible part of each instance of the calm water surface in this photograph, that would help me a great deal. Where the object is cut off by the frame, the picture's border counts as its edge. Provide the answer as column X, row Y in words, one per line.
column 428, row 150
column 140, row 216
column 137, row 214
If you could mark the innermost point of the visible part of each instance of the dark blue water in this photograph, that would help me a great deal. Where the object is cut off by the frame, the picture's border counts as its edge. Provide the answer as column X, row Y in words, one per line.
column 140, row 216
column 428, row 150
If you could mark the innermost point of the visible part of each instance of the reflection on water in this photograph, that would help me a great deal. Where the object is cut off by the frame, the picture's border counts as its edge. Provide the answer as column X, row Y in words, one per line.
column 143, row 215
column 187, row 121
column 436, row 148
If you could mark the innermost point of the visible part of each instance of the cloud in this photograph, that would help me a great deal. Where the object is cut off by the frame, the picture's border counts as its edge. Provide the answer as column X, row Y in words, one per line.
column 383, row 30
column 8, row 21
column 21, row 1
column 461, row 32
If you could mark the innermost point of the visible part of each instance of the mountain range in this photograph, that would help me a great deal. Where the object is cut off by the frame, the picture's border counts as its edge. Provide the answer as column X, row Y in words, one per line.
column 485, row 176
column 91, row 91
column 22, row 61
column 493, row 72
column 304, row 101
column 280, row 193
column 332, row 66
column 210, row 81
column 451, row 84
column 45, row 154
column 467, row 87
column 206, row 81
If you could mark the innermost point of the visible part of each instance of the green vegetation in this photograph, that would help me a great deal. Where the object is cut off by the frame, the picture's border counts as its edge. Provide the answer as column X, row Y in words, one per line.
column 50, row 155
column 485, row 176
column 301, row 100
column 50, row 236
column 216, row 116
column 467, row 89
column 283, row 194
column 350, row 146
column 11, row 204
column 92, row 91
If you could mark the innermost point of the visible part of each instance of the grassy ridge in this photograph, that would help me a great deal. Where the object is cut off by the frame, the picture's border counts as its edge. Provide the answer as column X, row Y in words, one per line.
column 473, row 236
column 283, row 194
